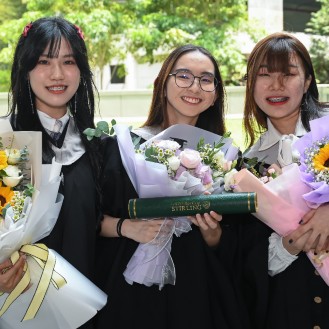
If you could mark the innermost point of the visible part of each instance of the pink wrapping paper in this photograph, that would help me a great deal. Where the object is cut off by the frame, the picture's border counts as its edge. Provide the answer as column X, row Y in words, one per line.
column 280, row 204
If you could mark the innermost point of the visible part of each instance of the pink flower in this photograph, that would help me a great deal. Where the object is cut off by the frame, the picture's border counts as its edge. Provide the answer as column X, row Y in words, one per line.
column 227, row 166
column 190, row 158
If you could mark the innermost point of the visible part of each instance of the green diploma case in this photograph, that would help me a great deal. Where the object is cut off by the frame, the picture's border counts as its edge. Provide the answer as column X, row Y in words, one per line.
column 226, row 203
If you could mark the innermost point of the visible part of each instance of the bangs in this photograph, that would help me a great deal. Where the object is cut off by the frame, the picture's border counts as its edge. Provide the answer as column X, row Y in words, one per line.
column 279, row 55
column 54, row 45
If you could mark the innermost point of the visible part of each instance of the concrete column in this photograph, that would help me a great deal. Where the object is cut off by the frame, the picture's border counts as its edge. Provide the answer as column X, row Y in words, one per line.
column 268, row 12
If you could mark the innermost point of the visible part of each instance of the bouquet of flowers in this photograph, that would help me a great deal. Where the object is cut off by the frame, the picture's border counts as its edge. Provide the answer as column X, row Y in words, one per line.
column 283, row 201
column 159, row 168
column 29, row 207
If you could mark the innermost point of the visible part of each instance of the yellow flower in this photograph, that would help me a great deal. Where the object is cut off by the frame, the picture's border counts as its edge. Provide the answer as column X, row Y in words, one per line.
column 321, row 160
column 6, row 194
column 3, row 160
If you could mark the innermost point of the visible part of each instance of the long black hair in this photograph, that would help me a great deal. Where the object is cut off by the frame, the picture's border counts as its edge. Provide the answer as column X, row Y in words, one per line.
column 37, row 36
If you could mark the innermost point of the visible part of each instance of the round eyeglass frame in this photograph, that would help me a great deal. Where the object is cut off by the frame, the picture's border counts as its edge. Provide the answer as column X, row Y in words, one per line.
column 194, row 76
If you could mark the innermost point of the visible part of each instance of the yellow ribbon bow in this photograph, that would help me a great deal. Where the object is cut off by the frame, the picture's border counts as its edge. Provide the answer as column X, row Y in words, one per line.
column 40, row 253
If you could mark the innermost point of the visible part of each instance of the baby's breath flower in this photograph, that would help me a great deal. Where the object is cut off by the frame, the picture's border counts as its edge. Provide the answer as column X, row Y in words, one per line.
column 317, row 160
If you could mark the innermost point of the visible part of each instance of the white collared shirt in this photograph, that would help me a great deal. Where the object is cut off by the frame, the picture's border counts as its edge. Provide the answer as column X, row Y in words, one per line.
column 273, row 136
column 48, row 122
column 267, row 147
column 72, row 148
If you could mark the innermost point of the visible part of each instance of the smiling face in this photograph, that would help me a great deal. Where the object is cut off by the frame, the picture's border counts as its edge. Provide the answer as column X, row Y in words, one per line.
column 54, row 81
column 185, row 104
column 279, row 95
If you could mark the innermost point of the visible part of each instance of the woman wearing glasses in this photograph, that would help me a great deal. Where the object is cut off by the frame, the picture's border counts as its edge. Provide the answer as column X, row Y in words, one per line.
column 188, row 90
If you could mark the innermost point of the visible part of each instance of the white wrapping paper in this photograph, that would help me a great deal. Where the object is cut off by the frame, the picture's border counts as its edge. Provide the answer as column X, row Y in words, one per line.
column 79, row 299
column 66, row 308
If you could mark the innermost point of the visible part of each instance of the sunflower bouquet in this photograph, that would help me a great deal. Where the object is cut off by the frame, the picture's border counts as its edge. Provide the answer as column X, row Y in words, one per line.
column 51, row 293
column 304, row 185
column 14, row 197
column 313, row 149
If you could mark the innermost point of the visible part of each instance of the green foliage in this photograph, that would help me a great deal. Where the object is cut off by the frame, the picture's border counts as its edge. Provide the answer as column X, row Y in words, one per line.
column 29, row 190
column 4, row 79
column 320, row 58
column 161, row 26
column 319, row 25
column 11, row 9
column 319, row 20
column 102, row 127
column 150, row 30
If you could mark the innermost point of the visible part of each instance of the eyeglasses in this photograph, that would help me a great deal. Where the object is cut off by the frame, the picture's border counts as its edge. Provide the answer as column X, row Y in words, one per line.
column 207, row 82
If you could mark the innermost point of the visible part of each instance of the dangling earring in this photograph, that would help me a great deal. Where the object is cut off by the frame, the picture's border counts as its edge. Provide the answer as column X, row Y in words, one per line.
column 85, row 90
column 75, row 104
column 30, row 94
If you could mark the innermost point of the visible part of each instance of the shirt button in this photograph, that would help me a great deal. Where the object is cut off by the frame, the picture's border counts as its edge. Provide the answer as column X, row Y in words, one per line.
column 318, row 300
column 316, row 327
column 316, row 272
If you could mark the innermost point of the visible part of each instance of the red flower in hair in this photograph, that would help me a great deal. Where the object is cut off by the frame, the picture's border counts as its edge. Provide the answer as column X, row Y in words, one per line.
column 27, row 28
column 79, row 31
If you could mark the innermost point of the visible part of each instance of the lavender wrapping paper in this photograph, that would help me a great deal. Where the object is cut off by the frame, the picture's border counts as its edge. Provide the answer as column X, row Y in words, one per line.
column 151, row 262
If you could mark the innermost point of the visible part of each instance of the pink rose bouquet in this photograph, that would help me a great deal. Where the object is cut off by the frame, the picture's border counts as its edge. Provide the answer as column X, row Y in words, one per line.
column 161, row 167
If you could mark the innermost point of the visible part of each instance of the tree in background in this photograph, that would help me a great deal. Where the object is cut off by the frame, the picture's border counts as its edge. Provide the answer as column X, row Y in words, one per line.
column 102, row 22
column 319, row 26
column 9, row 10
column 162, row 25
column 149, row 29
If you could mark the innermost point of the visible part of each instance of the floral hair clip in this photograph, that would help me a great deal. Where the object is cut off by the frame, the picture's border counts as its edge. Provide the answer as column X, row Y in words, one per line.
column 79, row 31
column 27, row 28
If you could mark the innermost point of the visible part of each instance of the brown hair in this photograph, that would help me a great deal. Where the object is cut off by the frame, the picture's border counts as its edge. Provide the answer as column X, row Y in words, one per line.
column 276, row 50
column 212, row 119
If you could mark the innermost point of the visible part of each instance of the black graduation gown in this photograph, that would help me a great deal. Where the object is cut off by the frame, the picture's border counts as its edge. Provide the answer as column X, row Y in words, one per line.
column 299, row 298
column 296, row 298
column 74, row 233
column 204, row 295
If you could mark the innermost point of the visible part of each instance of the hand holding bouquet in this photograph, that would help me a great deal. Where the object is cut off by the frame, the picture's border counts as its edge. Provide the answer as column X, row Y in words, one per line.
column 283, row 201
column 160, row 168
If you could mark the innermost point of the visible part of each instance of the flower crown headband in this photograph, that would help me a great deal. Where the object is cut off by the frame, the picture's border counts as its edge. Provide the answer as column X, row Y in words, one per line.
column 28, row 27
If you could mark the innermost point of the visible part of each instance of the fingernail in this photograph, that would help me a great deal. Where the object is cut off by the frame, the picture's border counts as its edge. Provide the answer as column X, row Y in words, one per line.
column 291, row 241
column 300, row 222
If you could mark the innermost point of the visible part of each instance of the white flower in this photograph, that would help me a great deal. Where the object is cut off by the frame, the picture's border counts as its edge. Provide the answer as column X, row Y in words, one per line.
column 264, row 179
column 13, row 177
column 13, row 156
column 219, row 158
column 167, row 144
column 12, row 181
column 173, row 163
column 229, row 180
column 227, row 165
column 12, row 171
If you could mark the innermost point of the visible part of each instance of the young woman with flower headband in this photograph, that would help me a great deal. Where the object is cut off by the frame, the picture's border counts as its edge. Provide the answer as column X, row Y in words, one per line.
column 188, row 90
column 52, row 91
column 281, row 99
